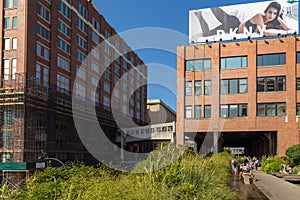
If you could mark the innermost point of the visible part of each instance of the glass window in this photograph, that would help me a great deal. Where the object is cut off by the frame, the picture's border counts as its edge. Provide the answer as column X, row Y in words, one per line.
column 243, row 86
column 6, row 3
column 197, row 112
column 188, row 88
column 281, row 109
column 271, row 59
column 280, row 86
column 7, row 44
column 298, row 83
column 233, row 86
column 207, row 111
column 224, row 111
column 234, row 62
column 6, row 69
column 298, row 109
column 13, row 68
column 15, row 3
column 242, row 110
column 198, row 87
column 7, row 23
column 15, row 22
column 260, row 110
column 207, row 87
column 271, row 109
column 270, row 84
column 233, row 110
column 224, row 86
column 198, row 65
column 188, row 112
column 14, row 43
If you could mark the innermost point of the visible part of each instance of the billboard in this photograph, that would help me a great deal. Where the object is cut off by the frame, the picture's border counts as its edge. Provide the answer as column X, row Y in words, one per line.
column 253, row 20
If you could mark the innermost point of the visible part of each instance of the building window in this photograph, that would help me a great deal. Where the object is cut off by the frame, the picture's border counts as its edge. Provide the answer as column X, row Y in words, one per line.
column 7, row 44
column 207, row 87
column 234, row 62
column 6, row 3
column 15, row 3
column 64, row 9
column 82, row 10
column 14, row 43
column 7, row 23
column 95, row 53
column 271, row 59
column 197, row 112
column 63, row 63
column 80, row 57
column 43, row 12
column 96, row 24
column 233, row 110
column 198, row 87
column 298, row 83
column 106, row 47
column 81, row 42
column 42, row 51
column 271, row 109
column 15, row 22
column 6, row 69
column 198, row 65
column 81, row 25
column 298, row 109
column 271, row 84
column 207, row 111
column 63, row 45
column 188, row 88
column 80, row 91
column 64, row 28
column 188, row 112
column 117, row 69
column 42, row 31
column 106, row 102
column 233, row 86
column 95, row 67
column 95, row 37
column 13, row 68
column 8, row 136
column 107, row 75
column 106, row 87
column 46, row 77
column 38, row 73
column 63, row 84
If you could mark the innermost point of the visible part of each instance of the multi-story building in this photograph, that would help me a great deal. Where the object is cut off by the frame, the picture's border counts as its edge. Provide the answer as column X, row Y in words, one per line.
column 241, row 93
column 159, row 112
column 44, row 46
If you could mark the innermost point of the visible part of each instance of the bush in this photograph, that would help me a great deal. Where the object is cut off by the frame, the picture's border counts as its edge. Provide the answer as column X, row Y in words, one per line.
column 271, row 164
column 294, row 153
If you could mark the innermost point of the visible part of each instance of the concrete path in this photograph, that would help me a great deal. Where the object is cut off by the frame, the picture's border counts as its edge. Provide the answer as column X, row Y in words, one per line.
column 275, row 188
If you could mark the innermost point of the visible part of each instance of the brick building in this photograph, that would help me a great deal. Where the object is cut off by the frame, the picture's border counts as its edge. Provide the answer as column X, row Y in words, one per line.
column 242, row 93
column 44, row 46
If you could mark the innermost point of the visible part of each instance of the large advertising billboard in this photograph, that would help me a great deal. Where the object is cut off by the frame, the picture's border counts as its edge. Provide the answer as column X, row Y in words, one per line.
column 268, row 18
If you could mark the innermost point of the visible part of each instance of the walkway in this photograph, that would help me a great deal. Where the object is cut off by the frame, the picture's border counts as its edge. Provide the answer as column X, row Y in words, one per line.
column 275, row 188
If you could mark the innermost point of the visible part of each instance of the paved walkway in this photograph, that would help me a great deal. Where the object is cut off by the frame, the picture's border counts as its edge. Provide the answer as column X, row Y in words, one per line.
column 275, row 188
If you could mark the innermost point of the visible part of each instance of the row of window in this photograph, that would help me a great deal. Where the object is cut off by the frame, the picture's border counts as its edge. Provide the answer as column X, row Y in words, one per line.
column 238, row 86
column 238, row 62
column 240, row 110
column 10, row 3
column 10, row 22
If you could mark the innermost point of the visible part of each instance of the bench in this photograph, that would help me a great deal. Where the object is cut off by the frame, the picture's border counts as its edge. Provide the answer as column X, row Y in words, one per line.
column 246, row 178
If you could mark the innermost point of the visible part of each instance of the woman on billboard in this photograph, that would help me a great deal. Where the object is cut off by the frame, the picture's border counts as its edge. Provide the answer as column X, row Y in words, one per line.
column 270, row 19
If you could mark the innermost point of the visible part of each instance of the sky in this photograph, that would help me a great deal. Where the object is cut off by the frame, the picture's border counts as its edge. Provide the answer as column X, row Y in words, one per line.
column 171, row 18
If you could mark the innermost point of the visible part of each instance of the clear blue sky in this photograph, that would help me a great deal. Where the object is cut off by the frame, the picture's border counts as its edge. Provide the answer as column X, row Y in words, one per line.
column 126, row 15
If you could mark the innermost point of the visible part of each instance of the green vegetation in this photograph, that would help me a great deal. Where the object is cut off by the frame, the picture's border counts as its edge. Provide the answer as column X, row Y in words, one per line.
column 185, row 177
column 294, row 153
column 271, row 164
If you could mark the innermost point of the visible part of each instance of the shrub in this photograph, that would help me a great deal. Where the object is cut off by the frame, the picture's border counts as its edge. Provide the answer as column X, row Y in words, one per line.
column 294, row 153
column 271, row 164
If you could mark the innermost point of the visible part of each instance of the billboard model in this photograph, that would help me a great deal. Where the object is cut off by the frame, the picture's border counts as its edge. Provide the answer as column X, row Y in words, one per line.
column 268, row 18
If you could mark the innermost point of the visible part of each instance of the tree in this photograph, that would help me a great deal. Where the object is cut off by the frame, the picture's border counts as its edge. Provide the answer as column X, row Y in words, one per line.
column 294, row 153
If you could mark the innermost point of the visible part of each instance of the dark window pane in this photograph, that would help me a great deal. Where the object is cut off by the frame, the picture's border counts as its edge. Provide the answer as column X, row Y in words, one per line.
column 298, row 83
column 270, row 84
column 280, row 109
column 298, row 58
column 280, row 83
column 260, row 84
column 261, row 110
column 242, row 110
column 298, row 109
column 271, row 109
column 207, row 111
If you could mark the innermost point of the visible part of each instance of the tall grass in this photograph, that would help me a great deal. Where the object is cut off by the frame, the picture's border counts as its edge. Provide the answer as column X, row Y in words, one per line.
column 164, row 176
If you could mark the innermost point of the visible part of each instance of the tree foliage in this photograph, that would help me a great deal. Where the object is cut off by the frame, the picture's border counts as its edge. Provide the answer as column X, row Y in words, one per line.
column 294, row 153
